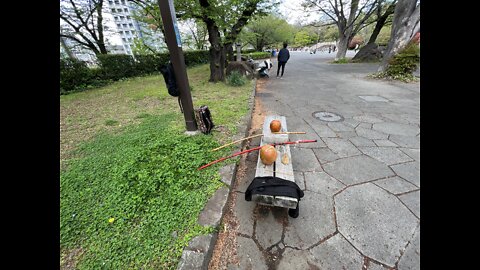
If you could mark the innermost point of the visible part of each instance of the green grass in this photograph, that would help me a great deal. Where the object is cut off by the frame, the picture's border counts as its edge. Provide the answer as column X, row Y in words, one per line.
column 343, row 60
column 141, row 171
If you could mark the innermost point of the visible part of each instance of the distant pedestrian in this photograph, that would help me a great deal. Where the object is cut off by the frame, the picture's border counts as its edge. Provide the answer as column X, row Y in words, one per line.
column 283, row 57
column 329, row 49
column 334, row 47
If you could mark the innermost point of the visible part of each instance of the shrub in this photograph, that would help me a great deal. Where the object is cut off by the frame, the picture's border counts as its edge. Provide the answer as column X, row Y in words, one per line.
column 259, row 55
column 343, row 60
column 236, row 79
column 193, row 58
column 117, row 66
column 76, row 75
column 402, row 65
column 405, row 62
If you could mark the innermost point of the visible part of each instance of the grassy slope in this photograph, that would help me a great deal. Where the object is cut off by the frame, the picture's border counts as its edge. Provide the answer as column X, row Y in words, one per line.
column 128, row 159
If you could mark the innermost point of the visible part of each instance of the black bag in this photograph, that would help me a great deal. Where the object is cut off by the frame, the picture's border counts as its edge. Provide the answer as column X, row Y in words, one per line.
column 204, row 119
column 169, row 77
column 275, row 186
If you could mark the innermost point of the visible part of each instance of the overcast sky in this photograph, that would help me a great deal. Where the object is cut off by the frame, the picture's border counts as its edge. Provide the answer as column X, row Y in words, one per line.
column 294, row 13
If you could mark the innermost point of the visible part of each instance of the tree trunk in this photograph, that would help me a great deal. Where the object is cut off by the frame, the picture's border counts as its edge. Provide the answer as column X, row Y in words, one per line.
column 406, row 23
column 217, row 63
column 380, row 23
column 229, row 52
column 342, row 47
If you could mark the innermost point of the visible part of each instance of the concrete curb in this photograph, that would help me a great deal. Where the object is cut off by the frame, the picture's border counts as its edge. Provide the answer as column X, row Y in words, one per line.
column 197, row 255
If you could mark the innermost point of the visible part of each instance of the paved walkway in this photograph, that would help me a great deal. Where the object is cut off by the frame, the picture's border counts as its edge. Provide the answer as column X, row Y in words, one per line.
column 361, row 208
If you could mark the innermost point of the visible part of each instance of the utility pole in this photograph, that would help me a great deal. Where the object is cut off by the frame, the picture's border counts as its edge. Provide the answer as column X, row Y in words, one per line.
column 174, row 44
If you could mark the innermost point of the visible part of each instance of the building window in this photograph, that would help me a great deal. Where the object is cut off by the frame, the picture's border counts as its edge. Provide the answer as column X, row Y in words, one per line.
column 123, row 2
column 120, row 32
column 117, row 2
column 119, row 10
column 119, row 26
column 122, row 17
column 133, row 32
column 116, row 18
column 113, row 10
column 110, row 2
column 124, row 40
column 127, row 32
column 128, row 17
column 131, row 25
column 124, row 25
column 125, row 9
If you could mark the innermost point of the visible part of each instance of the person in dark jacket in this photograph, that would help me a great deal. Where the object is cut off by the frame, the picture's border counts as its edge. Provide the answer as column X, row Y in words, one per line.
column 283, row 57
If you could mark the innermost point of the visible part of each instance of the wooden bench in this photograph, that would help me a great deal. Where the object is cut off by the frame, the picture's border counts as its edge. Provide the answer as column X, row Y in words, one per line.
column 277, row 169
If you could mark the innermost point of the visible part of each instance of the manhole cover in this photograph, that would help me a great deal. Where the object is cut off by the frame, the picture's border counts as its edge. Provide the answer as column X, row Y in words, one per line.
column 328, row 116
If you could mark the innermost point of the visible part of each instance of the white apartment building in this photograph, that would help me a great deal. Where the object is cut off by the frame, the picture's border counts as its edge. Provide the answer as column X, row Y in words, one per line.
column 125, row 28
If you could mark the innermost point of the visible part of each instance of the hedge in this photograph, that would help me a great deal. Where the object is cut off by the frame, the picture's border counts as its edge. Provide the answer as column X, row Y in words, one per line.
column 259, row 55
column 77, row 76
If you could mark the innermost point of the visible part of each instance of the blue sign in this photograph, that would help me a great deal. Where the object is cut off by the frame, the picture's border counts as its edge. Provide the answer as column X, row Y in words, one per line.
column 174, row 19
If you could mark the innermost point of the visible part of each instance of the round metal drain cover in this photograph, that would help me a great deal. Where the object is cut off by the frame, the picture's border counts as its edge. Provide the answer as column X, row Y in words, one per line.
column 328, row 116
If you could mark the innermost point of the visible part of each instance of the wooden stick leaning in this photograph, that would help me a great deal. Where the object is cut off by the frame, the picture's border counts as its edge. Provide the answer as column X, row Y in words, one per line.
column 250, row 137
column 253, row 149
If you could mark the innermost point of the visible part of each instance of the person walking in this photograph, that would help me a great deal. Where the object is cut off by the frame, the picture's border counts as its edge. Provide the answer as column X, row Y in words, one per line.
column 282, row 58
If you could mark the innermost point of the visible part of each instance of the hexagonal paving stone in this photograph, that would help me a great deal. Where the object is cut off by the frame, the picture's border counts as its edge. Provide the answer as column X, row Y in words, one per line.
column 387, row 155
column 339, row 127
column 368, row 118
column 409, row 171
column 304, row 160
column 269, row 228
column 370, row 134
column 315, row 222
column 413, row 153
column 296, row 259
column 322, row 183
column 406, row 141
column 341, row 147
column 396, row 129
column 412, row 200
column 375, row 222
column 299, row 179
column 357, row 169
column 385, row 143
column 244, row 213
column 249, row 256
column 325, row 155
column 360, row 141
column 395, row 185
column 411, row 257
column 337, row 253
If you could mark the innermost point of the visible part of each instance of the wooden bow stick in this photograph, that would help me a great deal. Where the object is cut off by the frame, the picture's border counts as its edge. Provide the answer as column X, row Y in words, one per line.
column 258, row 135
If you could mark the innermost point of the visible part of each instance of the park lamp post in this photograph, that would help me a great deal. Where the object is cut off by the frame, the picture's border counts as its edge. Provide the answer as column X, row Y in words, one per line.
column 174, row 44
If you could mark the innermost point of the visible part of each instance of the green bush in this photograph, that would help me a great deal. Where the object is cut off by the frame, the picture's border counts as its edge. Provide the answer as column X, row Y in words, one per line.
column 402, row 65
column 405, row 62
column 117, row 66
column 236, row 79
column 248, row 51
column 76, row 75
column 343, row 60
column 258, row 55
column 193, row 58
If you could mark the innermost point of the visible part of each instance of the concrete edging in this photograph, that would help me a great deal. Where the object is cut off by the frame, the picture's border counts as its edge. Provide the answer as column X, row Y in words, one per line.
column 199, row 251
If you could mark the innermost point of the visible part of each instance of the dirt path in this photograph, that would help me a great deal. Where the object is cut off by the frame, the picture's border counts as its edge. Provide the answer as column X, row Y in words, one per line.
column 225, row 251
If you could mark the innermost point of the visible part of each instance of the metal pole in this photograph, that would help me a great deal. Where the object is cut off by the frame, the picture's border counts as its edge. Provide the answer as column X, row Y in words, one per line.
column 174, row 44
